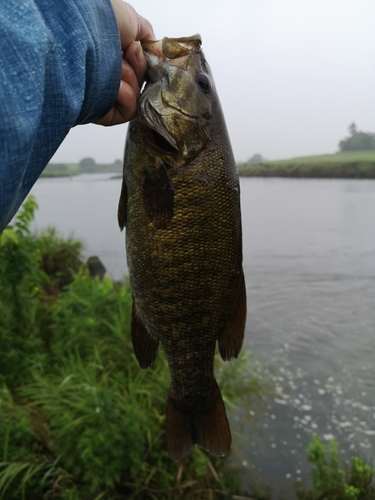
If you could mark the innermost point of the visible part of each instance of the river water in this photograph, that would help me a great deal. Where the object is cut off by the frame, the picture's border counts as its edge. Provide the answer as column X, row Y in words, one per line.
column 309, row 261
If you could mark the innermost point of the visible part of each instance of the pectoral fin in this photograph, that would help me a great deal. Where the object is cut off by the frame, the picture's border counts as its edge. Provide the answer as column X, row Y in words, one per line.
column 231, row 338
column 121, row 213
column 158, row 197
column 145, row 345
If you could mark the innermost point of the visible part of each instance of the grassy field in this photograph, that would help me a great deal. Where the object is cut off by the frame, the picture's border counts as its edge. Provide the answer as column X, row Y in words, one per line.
column 351, row 165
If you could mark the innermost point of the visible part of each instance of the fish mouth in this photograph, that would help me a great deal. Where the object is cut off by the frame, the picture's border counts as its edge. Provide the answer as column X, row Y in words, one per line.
column 159, row 143
column 173, row 109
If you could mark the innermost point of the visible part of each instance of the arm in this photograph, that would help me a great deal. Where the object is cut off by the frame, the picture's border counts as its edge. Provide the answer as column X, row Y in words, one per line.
column 60, row 65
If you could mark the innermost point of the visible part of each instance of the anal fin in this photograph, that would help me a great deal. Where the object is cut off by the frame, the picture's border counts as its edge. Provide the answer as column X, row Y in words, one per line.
column 231, row 338
column 145, row 345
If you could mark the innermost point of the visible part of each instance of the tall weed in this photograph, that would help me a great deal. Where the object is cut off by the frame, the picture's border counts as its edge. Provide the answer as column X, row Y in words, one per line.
column 20, row 284
column 333, row 481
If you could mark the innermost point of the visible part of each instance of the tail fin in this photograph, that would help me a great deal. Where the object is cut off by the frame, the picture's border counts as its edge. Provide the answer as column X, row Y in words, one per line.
column 207, row 427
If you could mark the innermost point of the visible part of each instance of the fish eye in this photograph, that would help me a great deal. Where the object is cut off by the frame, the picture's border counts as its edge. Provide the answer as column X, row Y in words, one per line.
column 203, row 82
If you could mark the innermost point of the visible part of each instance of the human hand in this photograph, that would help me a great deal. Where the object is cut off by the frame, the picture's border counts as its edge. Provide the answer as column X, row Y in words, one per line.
column 132, row 28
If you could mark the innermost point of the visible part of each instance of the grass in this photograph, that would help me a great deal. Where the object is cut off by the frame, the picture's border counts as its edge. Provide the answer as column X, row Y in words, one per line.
column 353, row 164
column 341, row 157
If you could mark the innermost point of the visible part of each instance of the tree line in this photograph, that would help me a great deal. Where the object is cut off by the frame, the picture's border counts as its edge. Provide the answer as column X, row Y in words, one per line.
column 357, row 140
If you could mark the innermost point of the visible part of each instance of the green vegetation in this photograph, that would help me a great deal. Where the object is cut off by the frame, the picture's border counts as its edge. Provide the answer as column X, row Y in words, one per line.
column 351, row 165
column 89, row 166
column 79, row 420
column 358, row 140
column 329, row 481
column 60, row 170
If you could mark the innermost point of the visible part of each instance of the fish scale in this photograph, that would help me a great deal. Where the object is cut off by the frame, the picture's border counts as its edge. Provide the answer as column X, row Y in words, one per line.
column 181, row 208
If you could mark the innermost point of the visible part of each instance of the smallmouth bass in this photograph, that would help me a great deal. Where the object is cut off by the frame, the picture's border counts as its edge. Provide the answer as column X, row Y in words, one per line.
column 180, row 203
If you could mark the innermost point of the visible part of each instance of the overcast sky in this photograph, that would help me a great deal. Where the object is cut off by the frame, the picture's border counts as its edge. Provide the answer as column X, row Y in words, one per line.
column 291, row 74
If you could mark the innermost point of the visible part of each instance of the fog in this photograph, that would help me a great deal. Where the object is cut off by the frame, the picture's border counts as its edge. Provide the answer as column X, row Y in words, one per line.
column 291, row 74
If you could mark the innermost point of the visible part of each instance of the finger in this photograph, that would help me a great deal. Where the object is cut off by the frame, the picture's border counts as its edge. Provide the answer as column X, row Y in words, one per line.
column 136, row 59
column 124, row 109
column 126, row 104
column 129, row 76
column 131, row 25
column 145, row 30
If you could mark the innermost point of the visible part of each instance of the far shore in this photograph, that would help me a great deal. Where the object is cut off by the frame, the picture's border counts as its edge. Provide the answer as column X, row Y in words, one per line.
column 348, row 165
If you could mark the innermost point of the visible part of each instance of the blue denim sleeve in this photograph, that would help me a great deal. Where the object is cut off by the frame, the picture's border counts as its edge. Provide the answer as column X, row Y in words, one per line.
column 60, row 65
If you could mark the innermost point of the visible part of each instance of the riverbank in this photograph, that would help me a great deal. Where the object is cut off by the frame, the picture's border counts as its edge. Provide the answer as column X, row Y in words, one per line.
column 72, row 169
column 349, row 165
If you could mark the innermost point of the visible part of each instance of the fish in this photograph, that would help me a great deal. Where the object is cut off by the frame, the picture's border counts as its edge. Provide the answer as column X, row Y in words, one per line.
column 180, row 204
